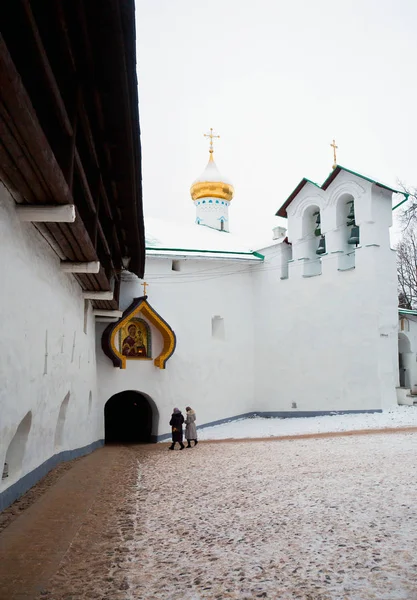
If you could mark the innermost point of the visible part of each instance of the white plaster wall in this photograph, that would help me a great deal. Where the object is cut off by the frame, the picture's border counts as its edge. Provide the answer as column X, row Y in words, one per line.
column 328, row 342
column 42, row 312
column 408, row 348
column 213, row 376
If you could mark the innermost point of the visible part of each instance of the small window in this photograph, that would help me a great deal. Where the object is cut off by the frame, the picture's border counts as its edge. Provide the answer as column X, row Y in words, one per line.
column 217, row 327
column 176, row 265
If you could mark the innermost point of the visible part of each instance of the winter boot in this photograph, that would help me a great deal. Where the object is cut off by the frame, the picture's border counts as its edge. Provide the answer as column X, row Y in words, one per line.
column 171, row 447
column 182, row 446
column 195, row 442
column 188, row 443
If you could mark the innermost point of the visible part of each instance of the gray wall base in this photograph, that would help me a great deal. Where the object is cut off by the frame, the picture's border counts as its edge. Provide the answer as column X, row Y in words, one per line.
column 27, row 481
column 279, row 415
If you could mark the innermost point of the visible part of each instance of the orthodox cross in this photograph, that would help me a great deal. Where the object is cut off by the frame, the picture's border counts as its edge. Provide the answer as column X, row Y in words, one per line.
column 334, row 154
column 145, row 285
column 211, row 136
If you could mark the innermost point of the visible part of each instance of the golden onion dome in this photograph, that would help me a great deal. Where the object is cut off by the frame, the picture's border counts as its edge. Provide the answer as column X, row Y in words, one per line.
column 211, row 184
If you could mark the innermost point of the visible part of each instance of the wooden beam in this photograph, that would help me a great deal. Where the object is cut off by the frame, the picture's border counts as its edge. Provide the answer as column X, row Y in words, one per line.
column 46, row 214
column 50, row 77
column 117, row 289
column 107, row 319
column 107, row 313
column 23, row 173
column 21, row 111
column 92, row 295
column 90, row 200
column 80, row 267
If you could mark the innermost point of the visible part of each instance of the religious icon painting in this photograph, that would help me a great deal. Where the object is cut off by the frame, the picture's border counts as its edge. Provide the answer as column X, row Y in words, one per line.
column 135, row 339
column 130, row 337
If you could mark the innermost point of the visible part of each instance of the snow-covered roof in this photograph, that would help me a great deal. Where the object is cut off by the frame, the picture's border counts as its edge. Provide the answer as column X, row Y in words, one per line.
column 163, row 238
column 282, row 212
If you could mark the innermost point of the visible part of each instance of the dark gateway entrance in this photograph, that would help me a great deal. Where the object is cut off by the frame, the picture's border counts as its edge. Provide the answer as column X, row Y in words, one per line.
column 130, row 418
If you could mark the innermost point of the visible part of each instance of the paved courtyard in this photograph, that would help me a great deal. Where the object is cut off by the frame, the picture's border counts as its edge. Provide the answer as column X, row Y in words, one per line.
column 311, row 519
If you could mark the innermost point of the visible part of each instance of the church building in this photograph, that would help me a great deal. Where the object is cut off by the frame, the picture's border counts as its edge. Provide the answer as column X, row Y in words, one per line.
column 99, row 346
column 305, row 326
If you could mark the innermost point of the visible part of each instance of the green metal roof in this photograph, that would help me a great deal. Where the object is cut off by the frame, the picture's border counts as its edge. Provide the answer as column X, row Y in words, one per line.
column 407, row 311
column 236, row 253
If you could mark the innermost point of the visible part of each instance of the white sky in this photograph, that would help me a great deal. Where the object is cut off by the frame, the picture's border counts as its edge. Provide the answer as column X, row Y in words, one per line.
column 277, row 80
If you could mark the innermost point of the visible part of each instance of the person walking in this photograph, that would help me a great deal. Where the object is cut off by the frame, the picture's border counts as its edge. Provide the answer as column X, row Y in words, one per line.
column 190, row 428
column 176, row 422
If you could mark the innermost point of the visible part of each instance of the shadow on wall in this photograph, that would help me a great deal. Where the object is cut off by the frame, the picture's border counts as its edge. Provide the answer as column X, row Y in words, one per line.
column 59, row 431
column 16, row 450
column 130, row 417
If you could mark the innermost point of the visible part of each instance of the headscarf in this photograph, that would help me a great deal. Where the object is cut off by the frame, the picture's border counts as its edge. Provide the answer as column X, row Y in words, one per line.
column 176, row 410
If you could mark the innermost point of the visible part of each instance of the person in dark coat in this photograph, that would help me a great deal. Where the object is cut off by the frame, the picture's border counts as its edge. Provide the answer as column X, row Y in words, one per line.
column 176, row 424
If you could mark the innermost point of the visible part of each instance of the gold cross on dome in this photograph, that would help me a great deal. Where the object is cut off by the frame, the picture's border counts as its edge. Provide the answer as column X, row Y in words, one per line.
column 334, row 154
column 145, row 285
column 211, row 135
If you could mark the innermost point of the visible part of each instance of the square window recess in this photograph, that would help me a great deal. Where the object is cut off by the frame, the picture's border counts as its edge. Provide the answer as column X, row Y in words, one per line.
column 217, row 327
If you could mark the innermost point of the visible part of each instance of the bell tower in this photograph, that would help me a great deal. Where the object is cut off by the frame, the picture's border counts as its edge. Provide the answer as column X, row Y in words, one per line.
column 212, row 194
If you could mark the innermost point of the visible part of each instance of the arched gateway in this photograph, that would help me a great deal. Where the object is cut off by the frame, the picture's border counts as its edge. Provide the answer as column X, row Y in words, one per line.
column 130, row 417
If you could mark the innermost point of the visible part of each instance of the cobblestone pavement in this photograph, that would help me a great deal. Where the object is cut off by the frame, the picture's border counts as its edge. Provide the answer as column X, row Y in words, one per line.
column 309, row 519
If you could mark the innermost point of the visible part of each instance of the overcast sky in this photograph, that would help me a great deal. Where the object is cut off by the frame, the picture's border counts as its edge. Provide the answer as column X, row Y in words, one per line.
column 277, row 80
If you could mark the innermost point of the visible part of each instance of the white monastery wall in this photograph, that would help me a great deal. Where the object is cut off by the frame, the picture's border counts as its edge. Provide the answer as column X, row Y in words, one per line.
column 329, row 341
column 211, row 374
column 407, row 348
column 46, row 355
column 302, row 333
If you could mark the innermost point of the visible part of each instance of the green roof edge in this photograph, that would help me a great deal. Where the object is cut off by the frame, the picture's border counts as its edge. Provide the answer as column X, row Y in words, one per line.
column 257, row 254
column 387, row 187
column 312, row 182
column 407, row 311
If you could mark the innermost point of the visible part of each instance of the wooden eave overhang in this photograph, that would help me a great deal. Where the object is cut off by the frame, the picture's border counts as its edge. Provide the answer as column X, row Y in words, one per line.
column 69, row 127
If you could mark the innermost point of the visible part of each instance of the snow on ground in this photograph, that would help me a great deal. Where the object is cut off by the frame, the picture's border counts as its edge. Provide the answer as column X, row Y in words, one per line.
column 308, row 519
column 258, row 427
column 301, row 519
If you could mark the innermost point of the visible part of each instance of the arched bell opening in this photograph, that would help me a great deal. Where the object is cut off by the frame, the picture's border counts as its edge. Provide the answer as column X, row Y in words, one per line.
column 347, row 233
column 406, row 362
column 313, row 241
column 130, row 417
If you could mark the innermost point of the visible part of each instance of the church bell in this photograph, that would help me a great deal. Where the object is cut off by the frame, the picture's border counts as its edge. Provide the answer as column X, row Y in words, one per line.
column 354, row 236
column 317, row 230
column 351, row 216
column 322, row 246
